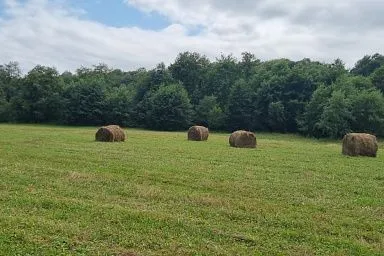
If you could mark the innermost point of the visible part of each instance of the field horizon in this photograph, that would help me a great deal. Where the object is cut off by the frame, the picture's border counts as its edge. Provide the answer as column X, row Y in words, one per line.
column 62, row 193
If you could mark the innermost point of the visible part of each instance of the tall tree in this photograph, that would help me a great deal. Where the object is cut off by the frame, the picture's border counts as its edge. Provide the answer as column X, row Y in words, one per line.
column 4, row 107
column 223, row 75
column 378, row 78
column 119, row 105
column 309, row 121
column 191, row 68
column 169, row 108
column 336, row 118
column 85, row 103
column 39, row 98
column 247, row 64
column 160, row 75
column 368, row 64
column 368, row 112
column 10, row 76
column 277, row 116
column 209, row 113
column 241, row 110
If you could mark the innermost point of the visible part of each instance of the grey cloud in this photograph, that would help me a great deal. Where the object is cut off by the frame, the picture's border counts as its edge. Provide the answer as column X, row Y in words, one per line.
column 351, row 16
column 348, row 14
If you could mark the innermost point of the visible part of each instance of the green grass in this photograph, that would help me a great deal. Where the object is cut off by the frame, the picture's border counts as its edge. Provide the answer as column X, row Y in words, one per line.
column 62, row 193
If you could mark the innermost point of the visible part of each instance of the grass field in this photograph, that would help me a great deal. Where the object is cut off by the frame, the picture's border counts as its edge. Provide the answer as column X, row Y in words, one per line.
column 62, row 193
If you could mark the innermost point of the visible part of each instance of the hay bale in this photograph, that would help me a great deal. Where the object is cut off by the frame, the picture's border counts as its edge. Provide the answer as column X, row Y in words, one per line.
column 198, row 133
column 242, row 139
column 110, row 133
column 360, row 144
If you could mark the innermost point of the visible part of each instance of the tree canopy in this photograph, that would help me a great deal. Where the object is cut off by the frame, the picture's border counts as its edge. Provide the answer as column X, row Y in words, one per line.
column 308, row 97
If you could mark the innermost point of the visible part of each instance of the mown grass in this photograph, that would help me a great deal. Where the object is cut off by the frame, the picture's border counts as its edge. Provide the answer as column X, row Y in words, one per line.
column 62, row 193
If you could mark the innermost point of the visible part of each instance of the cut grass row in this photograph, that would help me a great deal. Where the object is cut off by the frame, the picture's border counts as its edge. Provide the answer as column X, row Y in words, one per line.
column 61, row 193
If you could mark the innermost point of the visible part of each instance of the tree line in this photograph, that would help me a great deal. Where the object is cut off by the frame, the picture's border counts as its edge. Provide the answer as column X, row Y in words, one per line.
column 308, row 97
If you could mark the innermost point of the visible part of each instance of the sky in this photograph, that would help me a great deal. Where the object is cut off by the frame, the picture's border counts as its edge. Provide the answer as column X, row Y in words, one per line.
column 130, row 34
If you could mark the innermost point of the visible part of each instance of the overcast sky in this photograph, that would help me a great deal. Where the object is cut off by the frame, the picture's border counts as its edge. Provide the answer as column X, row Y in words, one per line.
column 129, row 34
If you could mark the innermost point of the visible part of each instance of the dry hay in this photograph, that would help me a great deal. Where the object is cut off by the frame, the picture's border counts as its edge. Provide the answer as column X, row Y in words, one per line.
column 360, row 144
column 198, row 133
column 110, row 133
column 242, row 139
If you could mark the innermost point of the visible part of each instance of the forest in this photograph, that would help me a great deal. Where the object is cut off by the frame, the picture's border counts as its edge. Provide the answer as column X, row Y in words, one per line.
column 322, row 100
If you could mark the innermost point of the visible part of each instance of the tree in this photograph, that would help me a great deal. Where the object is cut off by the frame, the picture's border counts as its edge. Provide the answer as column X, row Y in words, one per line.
column 241, row 111
column 277, row 116
column 334, row 71
column 314, row 98
column 39, row 97
column 169, row 108
column 336, row 118
column 378, row 78
column 247, row 64
column 270, row 81
column 368, row 64
column 10, row 75
column 67, row 77
column 208, row 111
column 222, row 76
column 191, row 68
column 160, row 75
column 145, row 84
column 368, row 112
column 118, row 106
column 85, row 103
column 309, row 121
column 4, row 107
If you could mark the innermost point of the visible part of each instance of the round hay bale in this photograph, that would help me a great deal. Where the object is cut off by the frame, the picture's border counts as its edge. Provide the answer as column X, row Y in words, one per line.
column 242, row 139
column 110, row 133
column 198, row 133
column 360, row 144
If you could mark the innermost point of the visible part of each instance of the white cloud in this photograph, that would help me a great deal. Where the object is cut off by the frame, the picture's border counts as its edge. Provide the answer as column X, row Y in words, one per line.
column 322, row 30
column 50, row 33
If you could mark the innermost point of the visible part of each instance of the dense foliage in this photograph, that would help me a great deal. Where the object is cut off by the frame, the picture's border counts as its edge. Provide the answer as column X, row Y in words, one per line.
column 313, row 98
